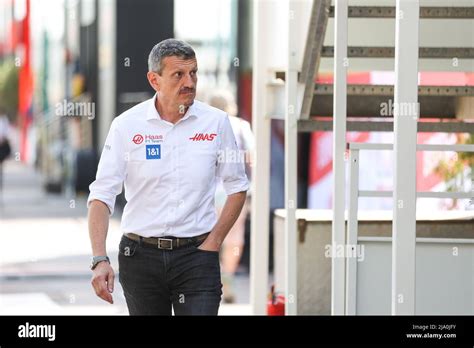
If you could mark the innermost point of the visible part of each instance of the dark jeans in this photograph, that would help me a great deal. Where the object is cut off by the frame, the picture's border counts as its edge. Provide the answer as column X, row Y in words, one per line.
column 153, row 279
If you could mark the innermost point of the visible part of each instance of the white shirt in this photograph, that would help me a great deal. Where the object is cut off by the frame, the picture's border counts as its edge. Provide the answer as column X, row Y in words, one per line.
column 169, row 170
column 245, row 143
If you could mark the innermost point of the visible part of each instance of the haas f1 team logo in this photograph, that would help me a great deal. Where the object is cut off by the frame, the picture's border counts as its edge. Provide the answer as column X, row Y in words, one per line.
column 203, row 136
column 138, row 139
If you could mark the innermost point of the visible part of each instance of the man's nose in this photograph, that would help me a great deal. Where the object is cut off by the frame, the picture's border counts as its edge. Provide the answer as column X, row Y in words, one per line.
column 189, row 82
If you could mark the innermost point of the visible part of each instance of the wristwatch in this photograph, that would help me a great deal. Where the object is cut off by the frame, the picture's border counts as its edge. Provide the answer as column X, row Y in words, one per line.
column 96, row 259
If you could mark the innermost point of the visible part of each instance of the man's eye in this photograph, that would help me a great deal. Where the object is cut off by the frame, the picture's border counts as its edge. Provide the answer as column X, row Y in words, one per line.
column 178, row 74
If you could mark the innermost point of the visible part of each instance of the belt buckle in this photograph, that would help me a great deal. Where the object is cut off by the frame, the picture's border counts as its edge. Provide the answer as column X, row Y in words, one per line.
column 167, row 240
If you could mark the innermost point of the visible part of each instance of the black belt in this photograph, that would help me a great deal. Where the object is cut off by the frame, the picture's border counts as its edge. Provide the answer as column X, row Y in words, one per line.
column 167, row 243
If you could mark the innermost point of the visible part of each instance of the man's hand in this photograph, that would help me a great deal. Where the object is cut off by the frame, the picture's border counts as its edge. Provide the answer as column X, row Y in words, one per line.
column 230, row 212
column 103, row 281
column 208, row 245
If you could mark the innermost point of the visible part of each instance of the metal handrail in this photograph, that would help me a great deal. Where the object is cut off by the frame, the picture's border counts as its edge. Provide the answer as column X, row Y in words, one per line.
column 355, row 193
column 419, row 147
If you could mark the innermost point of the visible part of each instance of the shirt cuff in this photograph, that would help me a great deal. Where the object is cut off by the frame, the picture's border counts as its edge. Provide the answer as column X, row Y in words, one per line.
column 235, row 186
column 104, row 197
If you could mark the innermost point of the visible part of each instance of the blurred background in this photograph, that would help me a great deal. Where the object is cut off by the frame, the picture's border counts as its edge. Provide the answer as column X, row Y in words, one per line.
column 68, row 67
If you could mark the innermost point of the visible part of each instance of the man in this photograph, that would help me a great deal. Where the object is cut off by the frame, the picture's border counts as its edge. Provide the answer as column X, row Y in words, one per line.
column 166, row 152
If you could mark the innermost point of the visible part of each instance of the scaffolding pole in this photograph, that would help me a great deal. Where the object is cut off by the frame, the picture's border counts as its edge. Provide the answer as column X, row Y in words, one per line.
column 259, row 248
column 291, row 164
column 339, row 148
column 405, row 130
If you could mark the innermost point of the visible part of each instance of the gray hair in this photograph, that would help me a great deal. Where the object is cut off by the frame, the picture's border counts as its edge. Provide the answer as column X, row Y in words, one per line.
column 168, row 48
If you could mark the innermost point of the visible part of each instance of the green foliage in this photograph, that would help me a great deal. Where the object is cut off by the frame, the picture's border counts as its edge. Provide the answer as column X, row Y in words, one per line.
column 453, row 169
column 9, row 89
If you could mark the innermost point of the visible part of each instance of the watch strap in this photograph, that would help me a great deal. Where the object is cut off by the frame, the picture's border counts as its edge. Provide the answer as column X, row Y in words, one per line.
column 97, row 259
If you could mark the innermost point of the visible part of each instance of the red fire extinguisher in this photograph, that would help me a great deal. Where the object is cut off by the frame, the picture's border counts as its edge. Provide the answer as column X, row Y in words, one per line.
column 276, row 303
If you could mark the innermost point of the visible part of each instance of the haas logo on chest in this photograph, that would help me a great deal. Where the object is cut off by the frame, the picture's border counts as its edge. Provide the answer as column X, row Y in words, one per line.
column 203, row 136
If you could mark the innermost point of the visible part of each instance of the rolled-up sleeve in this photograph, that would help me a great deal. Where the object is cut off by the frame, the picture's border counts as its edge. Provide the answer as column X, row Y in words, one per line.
column 230, row 163
column 111, row 170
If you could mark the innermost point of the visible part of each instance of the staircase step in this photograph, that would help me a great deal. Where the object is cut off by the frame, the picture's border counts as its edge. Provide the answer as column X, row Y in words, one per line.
column 425, row 12
column 373, row 100
column 313, row 125
column 387, row 90
column 389, row 52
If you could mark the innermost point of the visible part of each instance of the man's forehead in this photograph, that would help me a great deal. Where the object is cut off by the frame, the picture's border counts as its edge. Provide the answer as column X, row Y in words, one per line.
column 175, row 62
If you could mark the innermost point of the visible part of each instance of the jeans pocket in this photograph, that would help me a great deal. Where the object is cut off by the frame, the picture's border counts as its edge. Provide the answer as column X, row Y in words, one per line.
column 127, row 247
column 196, row 247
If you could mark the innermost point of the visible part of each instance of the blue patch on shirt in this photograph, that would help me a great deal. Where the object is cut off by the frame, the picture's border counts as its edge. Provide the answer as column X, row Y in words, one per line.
column 153, row 152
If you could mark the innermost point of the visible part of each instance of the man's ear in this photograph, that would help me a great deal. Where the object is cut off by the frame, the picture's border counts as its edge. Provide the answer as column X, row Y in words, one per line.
column 154, row 79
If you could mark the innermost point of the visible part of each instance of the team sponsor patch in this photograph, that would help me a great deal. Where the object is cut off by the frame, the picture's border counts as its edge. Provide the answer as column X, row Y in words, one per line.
column 153, row 151
column 149, row 138
column 137, row 139
column 153, row 138
column 203, row 137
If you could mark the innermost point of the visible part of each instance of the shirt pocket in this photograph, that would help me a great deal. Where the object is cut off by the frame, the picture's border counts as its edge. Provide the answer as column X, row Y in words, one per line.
column 201, row 164
column 143, row 165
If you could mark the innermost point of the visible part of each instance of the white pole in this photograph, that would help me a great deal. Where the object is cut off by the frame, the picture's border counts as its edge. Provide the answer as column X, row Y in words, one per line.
column 259, row 249
column 339, row 147
column 352, row 233
column 291, row 163
column 405, row 129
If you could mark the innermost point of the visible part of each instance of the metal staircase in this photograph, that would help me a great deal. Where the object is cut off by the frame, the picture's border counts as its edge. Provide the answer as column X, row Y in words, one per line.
column 308, row 105
column 358, row 107
column 440, row 102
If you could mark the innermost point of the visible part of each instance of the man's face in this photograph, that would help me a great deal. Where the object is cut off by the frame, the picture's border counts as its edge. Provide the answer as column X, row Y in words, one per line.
column 176, row 85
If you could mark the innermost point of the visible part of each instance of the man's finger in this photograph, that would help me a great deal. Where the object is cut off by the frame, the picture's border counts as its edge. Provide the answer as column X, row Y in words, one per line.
column 100, row 287
column 110, row 282
column 105, row 294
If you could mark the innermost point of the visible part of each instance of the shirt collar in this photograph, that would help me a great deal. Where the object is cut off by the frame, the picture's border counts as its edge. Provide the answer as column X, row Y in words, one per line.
column 153, row 114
